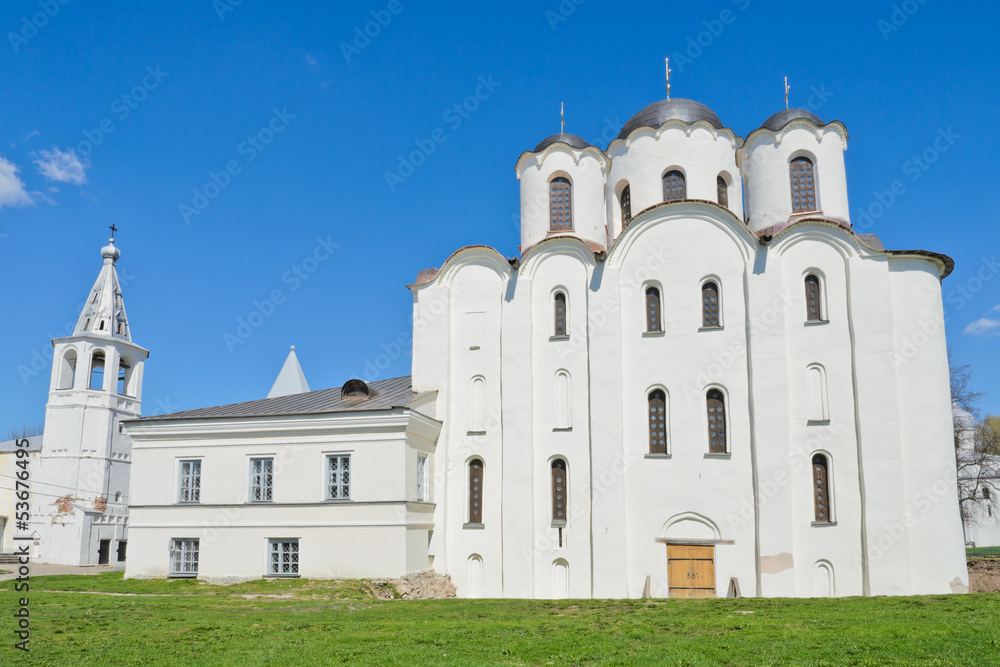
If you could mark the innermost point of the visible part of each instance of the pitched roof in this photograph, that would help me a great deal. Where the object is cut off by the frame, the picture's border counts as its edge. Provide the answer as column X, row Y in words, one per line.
column 291, row 379
column 384, row 395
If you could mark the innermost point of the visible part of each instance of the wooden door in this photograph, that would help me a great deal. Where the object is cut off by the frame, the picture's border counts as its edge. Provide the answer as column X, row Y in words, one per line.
column 691, row 571
column 103, row 552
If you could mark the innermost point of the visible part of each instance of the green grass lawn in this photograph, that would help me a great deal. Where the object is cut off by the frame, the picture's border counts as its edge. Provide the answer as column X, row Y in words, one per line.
column 983, row 551
column 325, row 622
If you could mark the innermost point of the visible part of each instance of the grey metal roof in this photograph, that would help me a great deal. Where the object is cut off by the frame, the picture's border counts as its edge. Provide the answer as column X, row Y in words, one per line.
column 571, row 139
column 658, row 113
column 872, row 241
column 785, row 116
column 385, row 394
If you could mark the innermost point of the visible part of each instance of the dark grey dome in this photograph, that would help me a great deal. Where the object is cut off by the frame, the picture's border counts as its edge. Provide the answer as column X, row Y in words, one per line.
column 571, row 139
column 785, row 116
column 658, row 113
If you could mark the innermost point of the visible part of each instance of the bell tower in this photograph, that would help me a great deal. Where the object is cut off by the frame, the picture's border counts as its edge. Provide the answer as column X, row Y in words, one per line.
column 86, row 457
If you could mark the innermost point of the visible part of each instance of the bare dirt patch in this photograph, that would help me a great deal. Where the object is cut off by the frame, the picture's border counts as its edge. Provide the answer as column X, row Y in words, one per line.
column 984, row 575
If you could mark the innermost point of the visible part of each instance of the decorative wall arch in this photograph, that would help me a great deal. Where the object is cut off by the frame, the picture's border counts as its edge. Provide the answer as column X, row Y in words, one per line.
column 690, row 525
column 560, row 579
column 477, row 404
column 817, row 394
column 474, row 579
column 824, row 582
column 563, row 404
column 67, row 369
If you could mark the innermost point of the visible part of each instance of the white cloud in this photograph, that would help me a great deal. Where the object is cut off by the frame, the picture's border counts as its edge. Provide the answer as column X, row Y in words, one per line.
column 12, row 192
column 984, row 327
column 62, row 166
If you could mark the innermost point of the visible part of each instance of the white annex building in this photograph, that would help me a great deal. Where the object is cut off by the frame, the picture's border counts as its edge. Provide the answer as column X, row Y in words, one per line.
column 695, row 380
column 80, row 466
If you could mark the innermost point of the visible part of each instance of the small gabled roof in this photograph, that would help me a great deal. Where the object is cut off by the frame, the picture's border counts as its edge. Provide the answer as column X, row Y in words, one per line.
column 383, row 395
column 291, row 379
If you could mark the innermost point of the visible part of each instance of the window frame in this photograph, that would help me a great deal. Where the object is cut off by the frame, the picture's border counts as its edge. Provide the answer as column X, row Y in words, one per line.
column 554, row 492
column 649, row 407
column 273, row 542
column 625, row 205
column 471, row 512
column 566, row 226
column 815, row 184
column 724, row 398
column 423, row 478
column 180, row 482
column 674, row 172
column 327, row 485
column 250, row 480
column 557, row 332
column 719, row 322
column 831, row 518
column 184, row 550
column 645, row 309
column 722, row 191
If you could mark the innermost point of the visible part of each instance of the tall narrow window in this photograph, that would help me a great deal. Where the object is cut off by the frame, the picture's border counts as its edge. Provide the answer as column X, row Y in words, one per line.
column 67, row 370
column 261, row 480
column 184, row 558
column 803, row 178
column 338, row 477
column 821, row 490
column 722, row 191
column 710, row 305
column 284, row 558
column 559, row 311
column 626, row 203
column 657, row 410
column 654, row 319
column 475, row 491
column 97, row 371
column 986, row 493
column 190, row 482
column 123, row 375
column 559, row 492
column 716, row 422
column 814, row 309
column 422, row 493
column 674, row 186
column 560, row 205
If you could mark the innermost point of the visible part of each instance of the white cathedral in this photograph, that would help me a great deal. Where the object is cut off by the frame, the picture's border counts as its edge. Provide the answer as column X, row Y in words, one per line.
column 696, row 380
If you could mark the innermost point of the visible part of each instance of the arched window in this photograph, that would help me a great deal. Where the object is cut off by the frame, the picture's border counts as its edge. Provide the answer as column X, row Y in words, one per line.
column 803, row 178
column 722, row 190
column 819, row 410
column 716, row 422
column 657, row 411
column 559, row 492
column 124, row 375
column 710, row 305
column 674, row 186
column 559, row 311
column 814, row 308
column 654, row 318
column 986, row 493
column 626, row 203
column 97, row 371
column 821, row 488
column 560, row 204
column 67, row 370
column 101, row 327
column 475, row 491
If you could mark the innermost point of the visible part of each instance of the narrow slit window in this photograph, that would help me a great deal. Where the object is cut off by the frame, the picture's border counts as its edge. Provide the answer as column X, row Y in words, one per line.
column 710, row 305
column 722, row 191
column 803, row 180
column 657, row 413
column 716, row 422
column 674, row 186
column 654, row 318
column 626, row 203
column 559, row 491
column 814, row 309
column 559, row 311
column 821, row 488
column 475, row 491
column 560, row 205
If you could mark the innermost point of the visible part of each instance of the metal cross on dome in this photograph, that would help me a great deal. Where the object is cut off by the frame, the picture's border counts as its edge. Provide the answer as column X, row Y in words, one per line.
column 113, row 230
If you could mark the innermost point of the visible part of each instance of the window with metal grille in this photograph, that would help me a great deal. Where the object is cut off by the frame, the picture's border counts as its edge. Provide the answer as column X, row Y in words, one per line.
column 710, row 305
column 190, row 482
column 803, row 177
column 183, row 558
column 261, row 480
column 821, row 488
column 814, row 310
column 716, row 422
column 338, row 477
column 559, row 311
column 654, row 318
column 626, row 202
column 560, row 204
column 475, row 491
column 722, row 190
column 674, row 186
column 559, row 492
column 657, row 404
column 284, row 558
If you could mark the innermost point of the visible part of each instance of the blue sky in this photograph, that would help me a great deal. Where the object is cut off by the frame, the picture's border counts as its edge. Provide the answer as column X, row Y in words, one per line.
column 236, row 143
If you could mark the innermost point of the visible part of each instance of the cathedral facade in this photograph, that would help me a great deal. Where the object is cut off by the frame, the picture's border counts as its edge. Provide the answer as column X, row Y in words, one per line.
column 696, row 379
